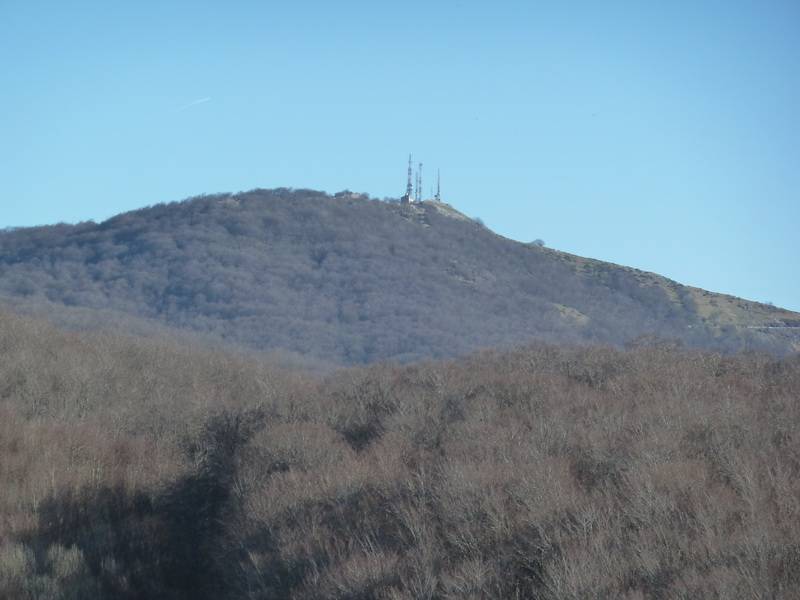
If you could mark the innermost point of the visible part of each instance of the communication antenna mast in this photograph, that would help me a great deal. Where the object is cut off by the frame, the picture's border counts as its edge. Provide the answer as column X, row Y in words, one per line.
column 438, row 196
column 419, row 183
column 407, row 197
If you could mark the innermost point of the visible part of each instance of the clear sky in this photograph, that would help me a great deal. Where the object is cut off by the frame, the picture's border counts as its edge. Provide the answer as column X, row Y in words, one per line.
column 660, row 135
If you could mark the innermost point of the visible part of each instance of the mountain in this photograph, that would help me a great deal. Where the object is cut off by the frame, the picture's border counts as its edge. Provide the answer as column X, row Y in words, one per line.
column 346, row 279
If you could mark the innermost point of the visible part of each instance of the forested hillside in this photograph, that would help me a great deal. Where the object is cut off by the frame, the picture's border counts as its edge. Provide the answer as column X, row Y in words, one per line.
column 138, row 469
column 350, row 280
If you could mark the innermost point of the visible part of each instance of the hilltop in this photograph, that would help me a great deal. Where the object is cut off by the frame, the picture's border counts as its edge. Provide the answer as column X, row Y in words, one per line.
column 345, row 279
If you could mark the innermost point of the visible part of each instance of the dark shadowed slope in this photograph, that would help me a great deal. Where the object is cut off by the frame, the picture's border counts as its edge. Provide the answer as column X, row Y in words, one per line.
column 347, row 279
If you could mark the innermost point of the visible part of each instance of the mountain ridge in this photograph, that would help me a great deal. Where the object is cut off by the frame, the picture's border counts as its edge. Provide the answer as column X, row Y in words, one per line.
column 348, row 279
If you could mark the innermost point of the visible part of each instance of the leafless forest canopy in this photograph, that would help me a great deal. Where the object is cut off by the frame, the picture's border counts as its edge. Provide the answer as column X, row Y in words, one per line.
column 343, row 280
column 137, row 468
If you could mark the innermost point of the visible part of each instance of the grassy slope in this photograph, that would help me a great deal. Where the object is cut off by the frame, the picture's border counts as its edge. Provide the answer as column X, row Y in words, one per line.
column 714, row 310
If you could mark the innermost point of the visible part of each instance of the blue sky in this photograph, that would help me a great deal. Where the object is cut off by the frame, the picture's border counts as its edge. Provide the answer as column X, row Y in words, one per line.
column 660, row 135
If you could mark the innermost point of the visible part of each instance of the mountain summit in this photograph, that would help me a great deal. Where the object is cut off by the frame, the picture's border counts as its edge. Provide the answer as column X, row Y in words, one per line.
column 347, row 279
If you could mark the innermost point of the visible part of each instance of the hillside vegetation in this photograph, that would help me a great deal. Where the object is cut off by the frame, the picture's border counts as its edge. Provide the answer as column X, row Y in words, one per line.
column 348, row 280
column 139, row 469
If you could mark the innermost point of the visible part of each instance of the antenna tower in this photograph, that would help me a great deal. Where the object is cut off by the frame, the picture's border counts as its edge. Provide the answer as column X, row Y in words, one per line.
column 438, row 196
column 407, row 197
column 419, row 183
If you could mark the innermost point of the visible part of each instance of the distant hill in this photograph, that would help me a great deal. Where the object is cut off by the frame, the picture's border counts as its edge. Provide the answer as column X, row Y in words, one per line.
column 346, row 279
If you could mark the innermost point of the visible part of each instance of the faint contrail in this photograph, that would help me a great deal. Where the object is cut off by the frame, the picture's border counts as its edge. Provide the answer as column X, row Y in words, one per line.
column 194, row 102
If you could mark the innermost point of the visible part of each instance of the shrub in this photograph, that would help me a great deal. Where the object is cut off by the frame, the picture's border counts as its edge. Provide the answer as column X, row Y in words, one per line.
column 139, row 469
